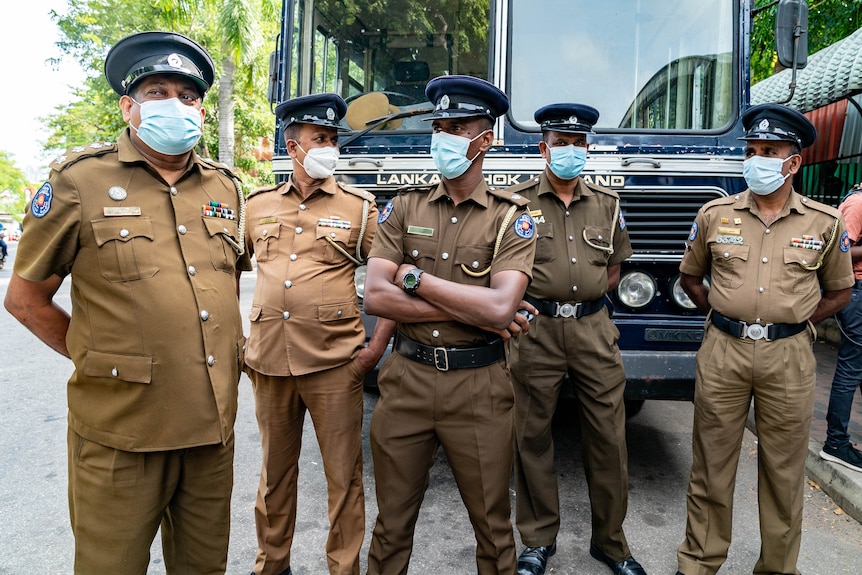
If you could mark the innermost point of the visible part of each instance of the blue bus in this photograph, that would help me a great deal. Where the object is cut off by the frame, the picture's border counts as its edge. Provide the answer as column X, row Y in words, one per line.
column 670, row 78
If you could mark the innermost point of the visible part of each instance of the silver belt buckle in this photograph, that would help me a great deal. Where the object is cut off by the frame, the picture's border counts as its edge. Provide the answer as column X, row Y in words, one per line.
column 566, row 310
column 438, row 353
column 755, row 331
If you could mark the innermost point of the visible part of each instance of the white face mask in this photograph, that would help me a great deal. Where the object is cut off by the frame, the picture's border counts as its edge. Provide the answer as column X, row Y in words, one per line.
column 319, row 162
column 763, row 175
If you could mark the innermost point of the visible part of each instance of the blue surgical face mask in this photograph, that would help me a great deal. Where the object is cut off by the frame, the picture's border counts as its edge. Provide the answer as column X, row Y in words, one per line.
column 450, row 153
column 763, row 175
column 169, row 126
column 567, row 162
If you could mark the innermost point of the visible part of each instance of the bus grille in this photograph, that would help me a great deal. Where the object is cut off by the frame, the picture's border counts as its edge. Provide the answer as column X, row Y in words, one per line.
column 659, row 221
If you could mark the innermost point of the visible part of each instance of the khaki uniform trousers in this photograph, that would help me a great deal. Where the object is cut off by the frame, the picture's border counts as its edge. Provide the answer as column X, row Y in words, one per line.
column 586, row 349
column 780, row 375
column 469, row 413
column 333, row 398
column 119, row 499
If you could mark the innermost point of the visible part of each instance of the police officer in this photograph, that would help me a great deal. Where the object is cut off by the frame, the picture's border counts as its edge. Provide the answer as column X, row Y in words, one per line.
column 770, row 252
column 450, row 264
column 581, row 242
column 152, row 237
column 306, row 348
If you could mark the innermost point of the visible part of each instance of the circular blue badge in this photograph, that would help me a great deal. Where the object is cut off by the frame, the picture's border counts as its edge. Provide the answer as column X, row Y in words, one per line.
column 622, row 222
column 525, row 227
column 845, row 241
column 387, row 211
column 693, row 233
column 41, row 203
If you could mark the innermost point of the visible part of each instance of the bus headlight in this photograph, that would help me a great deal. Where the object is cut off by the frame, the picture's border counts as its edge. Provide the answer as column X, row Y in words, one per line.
column 636, row 289
column 681, row 298
column 359, row 280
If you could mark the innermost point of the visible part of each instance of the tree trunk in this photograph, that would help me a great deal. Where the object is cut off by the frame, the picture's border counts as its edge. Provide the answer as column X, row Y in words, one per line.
column 225, row 110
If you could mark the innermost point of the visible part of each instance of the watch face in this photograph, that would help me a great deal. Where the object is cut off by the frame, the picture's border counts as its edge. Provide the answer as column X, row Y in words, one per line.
column 410, row 280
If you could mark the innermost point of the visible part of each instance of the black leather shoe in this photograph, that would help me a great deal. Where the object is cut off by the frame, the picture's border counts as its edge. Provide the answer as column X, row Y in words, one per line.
column 534, row 560
column 285, row 572
column 627, row 567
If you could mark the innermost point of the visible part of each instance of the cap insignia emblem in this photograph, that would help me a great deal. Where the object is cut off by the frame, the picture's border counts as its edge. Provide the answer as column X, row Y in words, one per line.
column 764, row 124
column 175, row 61
column 573, row 120
column 117, row 193
column 330, row 114
column 444, row 102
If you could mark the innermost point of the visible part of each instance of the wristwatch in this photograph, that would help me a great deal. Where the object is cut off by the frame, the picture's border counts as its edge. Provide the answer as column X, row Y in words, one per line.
column 410, row 282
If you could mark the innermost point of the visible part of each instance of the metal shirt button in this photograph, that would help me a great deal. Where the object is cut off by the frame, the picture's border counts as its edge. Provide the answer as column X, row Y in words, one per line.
column 571, row 238
column 287, row 284
column 339, row 313
column 264, row 232
column 173, row 191
column 192, row 270
column 285, row 315
column 293, row 257
column 601, row 238
column 302, row 207
column 574, row 288
column 414, row 253
column 210, row 361
column 727, row 255
column 805, row 262
column 182, row 229
column 298, row 230
column 454, row 220
column 475, row 265
column 567, row 213
column 767, row 231
column 205, row 315
column 224, row 230
column 435, row 333
column 765, row 260
column 761, row 290
column 114, row 371
column 332, row 235
column 124, row 233
column 444, row 255
column 574, row 260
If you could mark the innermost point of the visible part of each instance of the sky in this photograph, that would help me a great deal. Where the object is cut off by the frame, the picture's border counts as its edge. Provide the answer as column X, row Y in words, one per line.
column 33, row 87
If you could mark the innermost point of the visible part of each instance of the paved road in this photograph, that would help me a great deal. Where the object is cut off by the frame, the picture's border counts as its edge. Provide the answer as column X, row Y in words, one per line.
column 35, row 536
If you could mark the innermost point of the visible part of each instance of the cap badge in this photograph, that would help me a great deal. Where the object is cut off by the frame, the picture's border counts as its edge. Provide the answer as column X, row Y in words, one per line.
column 117, row 193
column 764, row 124
column 330, row 114
column 573, row 120
column 175, row 61
column 444, row 102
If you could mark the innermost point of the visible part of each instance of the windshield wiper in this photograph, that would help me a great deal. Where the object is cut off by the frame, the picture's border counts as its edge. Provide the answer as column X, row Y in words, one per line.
column 371, row 124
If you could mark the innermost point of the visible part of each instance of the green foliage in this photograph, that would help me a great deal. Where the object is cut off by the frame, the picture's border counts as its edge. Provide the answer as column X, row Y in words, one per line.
column 12, row 184
column 828, row 22
column 236, row 30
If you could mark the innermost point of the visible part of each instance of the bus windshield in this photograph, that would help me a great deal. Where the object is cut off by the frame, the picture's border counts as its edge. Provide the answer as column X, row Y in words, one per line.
column 644, row 64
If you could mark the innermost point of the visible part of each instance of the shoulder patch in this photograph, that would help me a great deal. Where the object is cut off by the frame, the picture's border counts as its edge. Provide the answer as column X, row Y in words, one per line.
column 524, row 226
column 77, row 153
column 385, row 213
column 693, row 233
column 622, row 222
column 845, row 242
column 41, row 203
column 509, row 196
column 359, row 192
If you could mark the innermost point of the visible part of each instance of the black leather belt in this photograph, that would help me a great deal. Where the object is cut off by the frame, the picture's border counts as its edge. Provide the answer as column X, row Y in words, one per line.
column 755, row 331
column 562, row 309
column 446, row 358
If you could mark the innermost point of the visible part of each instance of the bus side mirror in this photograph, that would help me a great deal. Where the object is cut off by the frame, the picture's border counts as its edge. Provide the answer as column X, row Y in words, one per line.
column 272, row 87
column 791, row 33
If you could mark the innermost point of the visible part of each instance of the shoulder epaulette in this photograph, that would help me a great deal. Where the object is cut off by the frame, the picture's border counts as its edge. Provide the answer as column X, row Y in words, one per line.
column 359, row 192
column 820, row 207
column 602, row 190
column 508, row 195
column 265, row 189
column 212, row 164
column 78, row 153
column 725, row 201
column 520, row 186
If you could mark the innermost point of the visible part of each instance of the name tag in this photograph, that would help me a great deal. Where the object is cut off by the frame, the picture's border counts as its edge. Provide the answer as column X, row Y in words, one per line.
column 121, row 211
column 729, row 231
column 420, row 231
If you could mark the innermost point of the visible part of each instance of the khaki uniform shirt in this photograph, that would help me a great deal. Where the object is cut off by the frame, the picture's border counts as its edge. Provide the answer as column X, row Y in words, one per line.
column 764, row 274
column 305, row 314
column 155, row 332
column 423, row 227
column 573, row 244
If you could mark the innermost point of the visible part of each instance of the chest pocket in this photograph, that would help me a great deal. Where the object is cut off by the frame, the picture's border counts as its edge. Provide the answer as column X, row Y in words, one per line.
column 794, row 278
column 420, row 251
column 544, row 243
column 728, row 264
column 265, row 238
column 327, row 253
column 477, row 259
column 222, row 234
column 598, row 242
column 126, row 250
